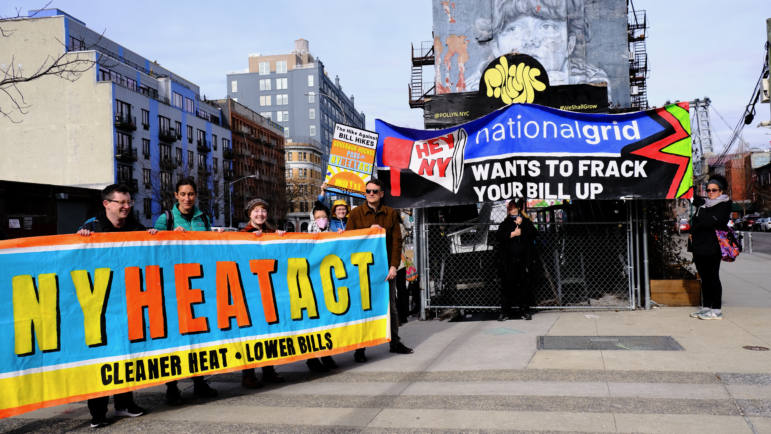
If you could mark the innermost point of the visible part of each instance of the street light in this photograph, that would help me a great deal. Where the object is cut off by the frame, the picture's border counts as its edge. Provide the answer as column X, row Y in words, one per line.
column 230, row 196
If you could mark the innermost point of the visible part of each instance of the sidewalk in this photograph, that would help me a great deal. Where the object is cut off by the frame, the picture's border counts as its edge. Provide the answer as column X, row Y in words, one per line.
column 489, row 376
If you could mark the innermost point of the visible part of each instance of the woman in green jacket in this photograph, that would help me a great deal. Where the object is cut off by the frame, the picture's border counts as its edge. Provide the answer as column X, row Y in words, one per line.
column 185, row 216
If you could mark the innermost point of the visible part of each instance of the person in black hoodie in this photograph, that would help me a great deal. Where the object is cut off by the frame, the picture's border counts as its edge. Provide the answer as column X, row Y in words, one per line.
column 516, row 261
column 712, row 213
column 116, row 217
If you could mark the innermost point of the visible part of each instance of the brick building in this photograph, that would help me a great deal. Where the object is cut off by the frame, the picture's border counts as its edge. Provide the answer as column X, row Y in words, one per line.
column 255, row 164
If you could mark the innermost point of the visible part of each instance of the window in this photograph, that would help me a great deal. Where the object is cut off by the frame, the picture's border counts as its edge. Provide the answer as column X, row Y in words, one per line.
column 164, row 123
column 122, row 108
column 179, row 156
column 281, row 83
column 201, row 137
column 216, row 168
column 311, row 97
column 189, row 105
column 264, row 68
column 283, row 116
column 214, row 141
column 286, row 99
column 190, row 158
column 313, row 130
column 146, row 177
column 305, row 173
column 234, row 86
column 225, row 144
column 235, row 99
column 146, row 148
column 282, row 99
column 288, row 173
column 305, row 156
column 289, row 156
column 266, row 115
column 166, row 181
column 312, row 114
column 265, row 84
column 177, row 100
column 146, row 118
column 124, row 141
column 201, row 160
column 281, row 67
column 148, row 205
column 189, row 134
column 265, row 100
column 131, row 84
column 178, row 129
column 286, row 131
column 216, row 205
column 310, row 80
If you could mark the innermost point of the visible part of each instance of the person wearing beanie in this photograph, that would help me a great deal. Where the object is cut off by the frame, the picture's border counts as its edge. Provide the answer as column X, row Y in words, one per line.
column 257, row 213
column 712, row 214
column 340, row 212
column 320, row 223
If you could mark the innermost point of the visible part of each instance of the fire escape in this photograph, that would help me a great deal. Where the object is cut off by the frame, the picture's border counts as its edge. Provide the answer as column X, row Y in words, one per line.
column 639, row 69
column 423, row 56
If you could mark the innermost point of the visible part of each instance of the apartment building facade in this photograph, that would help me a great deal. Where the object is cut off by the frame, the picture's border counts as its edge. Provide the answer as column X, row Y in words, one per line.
column 294, row 90
column 127, row 120
column 257, row 157
column 304, row 175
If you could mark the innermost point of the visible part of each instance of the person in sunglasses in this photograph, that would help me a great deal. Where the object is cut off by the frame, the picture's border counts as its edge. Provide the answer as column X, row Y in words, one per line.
column 712, row 213
column 374, row 214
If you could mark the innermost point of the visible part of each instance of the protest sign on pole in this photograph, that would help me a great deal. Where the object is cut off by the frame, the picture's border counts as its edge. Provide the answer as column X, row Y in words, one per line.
column 351, row 160
column 83, row 317
column 537, row 152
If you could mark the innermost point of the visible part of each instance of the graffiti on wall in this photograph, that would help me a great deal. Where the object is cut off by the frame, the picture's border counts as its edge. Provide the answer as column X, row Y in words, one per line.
column 577, row 42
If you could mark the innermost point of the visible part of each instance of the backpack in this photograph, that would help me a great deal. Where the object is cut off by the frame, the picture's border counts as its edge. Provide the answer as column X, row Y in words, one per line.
column 170, row 221
column 729, row 246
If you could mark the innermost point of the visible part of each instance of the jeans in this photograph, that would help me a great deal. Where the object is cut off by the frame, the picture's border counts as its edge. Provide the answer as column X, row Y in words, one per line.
column 98, row 406
column 708, row 267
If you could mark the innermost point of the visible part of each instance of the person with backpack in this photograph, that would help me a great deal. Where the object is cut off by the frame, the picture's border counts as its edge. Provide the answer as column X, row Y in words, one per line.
column 516, row 261
column 183, row 217
column 257, row 213
column 712, row 214
column 116, row 217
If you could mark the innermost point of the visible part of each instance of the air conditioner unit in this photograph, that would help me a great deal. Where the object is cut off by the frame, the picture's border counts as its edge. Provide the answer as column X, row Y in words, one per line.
column 635, row 90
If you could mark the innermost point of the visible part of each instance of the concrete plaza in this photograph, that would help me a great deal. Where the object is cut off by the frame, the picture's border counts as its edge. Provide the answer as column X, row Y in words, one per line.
column 488, row 376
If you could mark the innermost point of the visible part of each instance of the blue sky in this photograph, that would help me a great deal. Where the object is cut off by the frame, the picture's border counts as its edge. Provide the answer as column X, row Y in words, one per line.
column 696, row 47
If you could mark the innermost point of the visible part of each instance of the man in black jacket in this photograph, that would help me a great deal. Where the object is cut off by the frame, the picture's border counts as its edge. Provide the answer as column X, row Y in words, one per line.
column 116, row 217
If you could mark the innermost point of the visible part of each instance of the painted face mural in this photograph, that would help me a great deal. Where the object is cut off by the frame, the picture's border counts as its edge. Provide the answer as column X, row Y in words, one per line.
column 573, row 39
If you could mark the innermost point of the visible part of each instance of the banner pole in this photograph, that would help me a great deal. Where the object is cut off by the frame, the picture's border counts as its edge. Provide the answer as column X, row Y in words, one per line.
column 423, row 261
column 629, row 250
column 645, row 256
column 638, row 253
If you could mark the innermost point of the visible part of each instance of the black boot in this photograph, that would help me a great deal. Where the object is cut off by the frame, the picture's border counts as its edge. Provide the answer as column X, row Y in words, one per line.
column 315, row 365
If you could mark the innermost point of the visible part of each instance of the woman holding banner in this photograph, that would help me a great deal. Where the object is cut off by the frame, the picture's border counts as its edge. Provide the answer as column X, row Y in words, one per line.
column 320, row 223
column 185, row 216
column 516, row 259
column 257, row 213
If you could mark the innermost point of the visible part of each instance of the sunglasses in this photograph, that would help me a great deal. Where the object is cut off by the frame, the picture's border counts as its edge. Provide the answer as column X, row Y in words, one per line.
column 375, row 191
column 712, row 190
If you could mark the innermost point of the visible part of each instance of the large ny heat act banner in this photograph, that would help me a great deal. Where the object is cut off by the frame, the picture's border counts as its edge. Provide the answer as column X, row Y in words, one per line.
column 539, row 153
column 83, row 317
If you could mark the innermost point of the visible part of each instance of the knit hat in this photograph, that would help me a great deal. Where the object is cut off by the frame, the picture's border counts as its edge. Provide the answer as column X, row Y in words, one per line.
column 253, row 204
column 341, row 202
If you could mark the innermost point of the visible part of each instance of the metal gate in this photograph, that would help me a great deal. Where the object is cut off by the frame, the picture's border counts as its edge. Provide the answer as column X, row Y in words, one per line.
column 584, row 265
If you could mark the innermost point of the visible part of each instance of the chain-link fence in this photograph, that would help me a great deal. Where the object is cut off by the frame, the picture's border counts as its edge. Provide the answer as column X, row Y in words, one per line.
column 583, row 265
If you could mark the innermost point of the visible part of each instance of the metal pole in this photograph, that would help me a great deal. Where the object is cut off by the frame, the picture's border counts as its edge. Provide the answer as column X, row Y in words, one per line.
column 230, row 204
column 645, row 260
column 638, row 256
column 749, row 243
column 629, row 253
column 424, row 282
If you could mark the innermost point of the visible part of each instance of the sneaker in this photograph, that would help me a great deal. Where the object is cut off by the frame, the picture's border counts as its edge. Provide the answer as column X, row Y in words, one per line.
column 710, row 316
column 401, row 349
column 315, row 365
column 99, row 422
column 132, row 411
column 173, row 396
column 359, row 356
column 202, row 388
column 703, row 311
column 329, row 362
column 250, row 381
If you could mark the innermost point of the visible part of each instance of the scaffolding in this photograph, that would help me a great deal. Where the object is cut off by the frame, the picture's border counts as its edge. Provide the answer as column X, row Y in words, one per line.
column 418, row 90
column 639, row 68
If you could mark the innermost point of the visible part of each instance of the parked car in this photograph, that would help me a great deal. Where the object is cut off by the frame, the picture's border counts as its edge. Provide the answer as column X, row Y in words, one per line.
column 762, row 225
column 684, row 226
column 748, row 221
